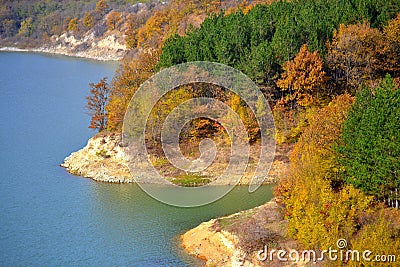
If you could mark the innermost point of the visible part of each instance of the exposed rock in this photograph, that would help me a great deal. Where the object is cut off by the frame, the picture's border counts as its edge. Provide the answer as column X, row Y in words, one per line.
column 102, row 159
column 220, row 246
column 110, row 47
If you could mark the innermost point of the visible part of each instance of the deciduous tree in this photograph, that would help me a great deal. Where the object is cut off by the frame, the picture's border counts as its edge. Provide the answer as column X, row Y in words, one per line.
column 127, row 80
column 113, row 19
column 88, row 20
column 352, row 56
column 26, row 28
column 73, row 24
column 96, row 103
column 304, row 77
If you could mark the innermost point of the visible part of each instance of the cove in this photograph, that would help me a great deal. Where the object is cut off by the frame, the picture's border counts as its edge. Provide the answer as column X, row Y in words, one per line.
column 49, row 217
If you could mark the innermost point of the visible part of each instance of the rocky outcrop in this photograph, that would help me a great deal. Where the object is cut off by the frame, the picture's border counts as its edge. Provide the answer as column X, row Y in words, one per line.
column 221, row 245
column 217, row 248
column 108, row 47
column 102, row 159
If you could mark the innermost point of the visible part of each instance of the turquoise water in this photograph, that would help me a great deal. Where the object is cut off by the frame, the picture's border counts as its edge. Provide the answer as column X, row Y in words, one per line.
column 51, row 218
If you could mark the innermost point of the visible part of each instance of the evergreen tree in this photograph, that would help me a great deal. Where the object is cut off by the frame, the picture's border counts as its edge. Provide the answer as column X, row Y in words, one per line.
column 369, row 145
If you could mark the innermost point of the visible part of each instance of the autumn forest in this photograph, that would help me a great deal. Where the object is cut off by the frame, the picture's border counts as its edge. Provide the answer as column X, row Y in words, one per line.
column 330, row 70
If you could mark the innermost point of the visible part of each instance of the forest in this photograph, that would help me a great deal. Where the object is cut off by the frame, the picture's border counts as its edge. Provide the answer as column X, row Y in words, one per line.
column 330, row 70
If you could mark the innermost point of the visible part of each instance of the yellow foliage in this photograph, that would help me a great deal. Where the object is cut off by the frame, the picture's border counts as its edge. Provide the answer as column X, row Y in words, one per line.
column 73, row 24
column 318, row 213
column 128, row 79
column 88, row 20
column 290, row 123
column 304, row 76
column 392, row 30
column 381, row 237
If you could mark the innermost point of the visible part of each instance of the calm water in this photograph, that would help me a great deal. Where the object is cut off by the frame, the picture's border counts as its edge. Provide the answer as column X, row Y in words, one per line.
column 48, row 217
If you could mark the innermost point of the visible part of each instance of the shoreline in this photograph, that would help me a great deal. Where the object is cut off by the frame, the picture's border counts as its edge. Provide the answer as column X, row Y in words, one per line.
column 54, row 51
column 220, row 241
column 103, row 160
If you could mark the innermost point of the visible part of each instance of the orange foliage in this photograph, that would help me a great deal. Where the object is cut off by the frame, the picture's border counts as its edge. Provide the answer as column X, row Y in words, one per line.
column 113, row 19
column 360, row 54
column 304, row 76
column 128, row 79
column 320, row 210
column 179, row 15
column 96, row 104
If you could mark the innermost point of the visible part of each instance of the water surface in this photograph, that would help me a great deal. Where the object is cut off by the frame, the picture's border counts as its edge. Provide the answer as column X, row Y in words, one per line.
column 49, row 217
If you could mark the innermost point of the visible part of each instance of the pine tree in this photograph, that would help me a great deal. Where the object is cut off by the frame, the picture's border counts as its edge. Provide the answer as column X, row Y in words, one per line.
column 369, row 147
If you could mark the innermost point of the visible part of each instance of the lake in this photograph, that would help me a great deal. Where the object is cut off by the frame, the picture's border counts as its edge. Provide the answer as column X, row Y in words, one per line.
column 49, row 217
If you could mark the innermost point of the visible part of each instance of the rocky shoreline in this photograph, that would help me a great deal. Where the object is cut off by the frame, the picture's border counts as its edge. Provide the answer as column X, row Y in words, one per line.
column 219, row 244
column 64, row 52
column 111, row 48
column 102, row 159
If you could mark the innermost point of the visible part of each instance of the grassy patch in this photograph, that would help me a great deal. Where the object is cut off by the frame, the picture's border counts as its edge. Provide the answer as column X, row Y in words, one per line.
column 159, row 162
column 226, row 223
column 103, row 153
column 190, row 180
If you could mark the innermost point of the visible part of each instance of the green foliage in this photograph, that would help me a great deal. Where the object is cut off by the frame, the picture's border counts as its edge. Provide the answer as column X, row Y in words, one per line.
column 369, row 148
column 259, row 42
column 191, row 180
column 319, row 209
column 103, row 153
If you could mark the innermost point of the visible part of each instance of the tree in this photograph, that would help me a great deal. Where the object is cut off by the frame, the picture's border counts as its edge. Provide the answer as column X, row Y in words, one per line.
column 101, row 7
column 9, row 27
column 369, row 147
column 96, row 103
column 304, row 76
column 320, row 209
column 392, row 35
column 26, row 28
column 128, row 79
column 113, row 19
column 353, row 55
column 88, row 20
column 73, row 24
